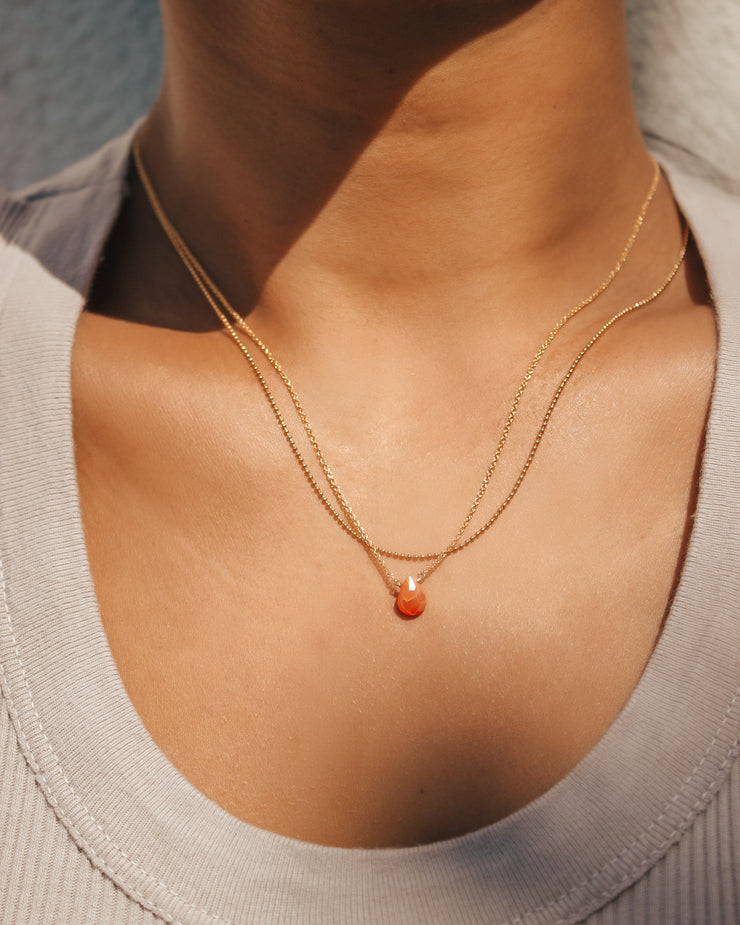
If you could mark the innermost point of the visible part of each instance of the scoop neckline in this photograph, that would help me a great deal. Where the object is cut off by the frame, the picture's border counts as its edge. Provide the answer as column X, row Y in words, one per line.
column 182, row 856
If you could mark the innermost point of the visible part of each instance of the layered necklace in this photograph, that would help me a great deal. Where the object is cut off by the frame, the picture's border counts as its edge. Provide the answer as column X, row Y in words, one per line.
column 409, row 596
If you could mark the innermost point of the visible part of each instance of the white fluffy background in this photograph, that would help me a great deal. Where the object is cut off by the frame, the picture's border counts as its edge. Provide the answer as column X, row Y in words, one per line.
column 73, row 73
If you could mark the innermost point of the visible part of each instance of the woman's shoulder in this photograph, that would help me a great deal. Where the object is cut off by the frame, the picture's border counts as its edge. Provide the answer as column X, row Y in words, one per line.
column 713, row 212
column 51, row 239
column 54, row 229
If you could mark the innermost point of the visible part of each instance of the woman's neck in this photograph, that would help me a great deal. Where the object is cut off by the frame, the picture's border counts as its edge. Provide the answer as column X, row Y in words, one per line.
column 404, row 160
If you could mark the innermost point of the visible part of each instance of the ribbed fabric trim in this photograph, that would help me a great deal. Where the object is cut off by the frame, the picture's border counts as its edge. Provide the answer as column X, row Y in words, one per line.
column 172, row 850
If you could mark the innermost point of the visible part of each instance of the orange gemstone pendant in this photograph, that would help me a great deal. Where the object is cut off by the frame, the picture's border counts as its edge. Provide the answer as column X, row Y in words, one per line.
column 411, row 600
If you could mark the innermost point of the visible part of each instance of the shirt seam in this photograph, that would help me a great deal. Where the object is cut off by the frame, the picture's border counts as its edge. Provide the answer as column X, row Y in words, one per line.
column 53, row 193
column 626, row 880
column 48, row 790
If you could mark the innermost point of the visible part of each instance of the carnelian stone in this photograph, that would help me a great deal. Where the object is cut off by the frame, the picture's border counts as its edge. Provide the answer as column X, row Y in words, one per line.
column 411, row 599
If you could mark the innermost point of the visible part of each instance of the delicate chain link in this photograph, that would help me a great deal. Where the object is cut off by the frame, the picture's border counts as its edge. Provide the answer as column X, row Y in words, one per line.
column 209, row 289
column 213, row 294
column 543, row 427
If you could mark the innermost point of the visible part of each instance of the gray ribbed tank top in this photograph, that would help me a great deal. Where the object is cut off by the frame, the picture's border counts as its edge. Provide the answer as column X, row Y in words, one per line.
column 97, row 827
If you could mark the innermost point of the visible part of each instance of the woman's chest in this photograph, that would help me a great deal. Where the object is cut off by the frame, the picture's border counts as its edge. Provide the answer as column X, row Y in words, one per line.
column 261, row 649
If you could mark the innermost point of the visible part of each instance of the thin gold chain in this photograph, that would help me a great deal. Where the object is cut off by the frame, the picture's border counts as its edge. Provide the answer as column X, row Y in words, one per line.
column 456, row 545
column 211, row 292
column 625, row 311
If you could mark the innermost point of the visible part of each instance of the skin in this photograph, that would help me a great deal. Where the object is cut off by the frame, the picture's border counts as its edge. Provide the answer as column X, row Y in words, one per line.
column 405, row 197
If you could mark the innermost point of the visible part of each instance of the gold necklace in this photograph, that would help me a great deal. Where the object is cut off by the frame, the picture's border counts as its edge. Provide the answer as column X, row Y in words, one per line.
column 410, row 598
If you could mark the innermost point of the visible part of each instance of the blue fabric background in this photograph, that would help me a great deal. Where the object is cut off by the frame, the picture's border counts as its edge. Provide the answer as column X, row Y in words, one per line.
column 73, row 73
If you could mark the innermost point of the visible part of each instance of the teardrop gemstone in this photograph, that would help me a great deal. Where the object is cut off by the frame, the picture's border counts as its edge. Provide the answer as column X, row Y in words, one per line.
column 411, row 599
